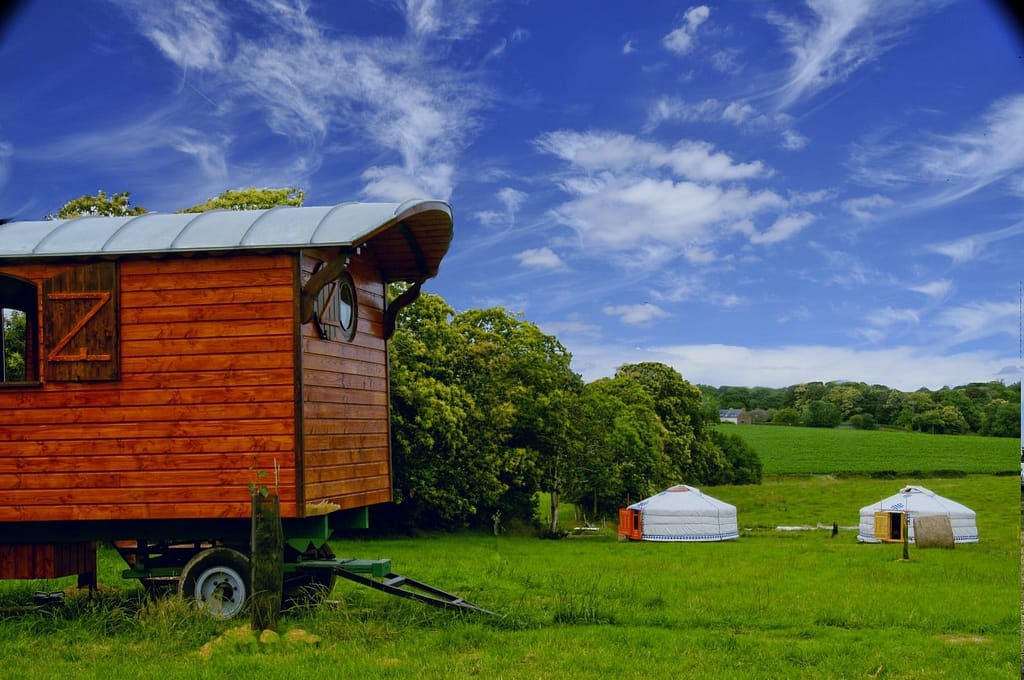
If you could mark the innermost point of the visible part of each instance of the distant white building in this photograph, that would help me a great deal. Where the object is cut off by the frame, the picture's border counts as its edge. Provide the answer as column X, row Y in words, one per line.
column 733, row 415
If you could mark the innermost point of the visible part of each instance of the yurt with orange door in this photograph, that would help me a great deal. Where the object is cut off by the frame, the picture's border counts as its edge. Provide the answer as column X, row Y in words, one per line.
column 679, row 513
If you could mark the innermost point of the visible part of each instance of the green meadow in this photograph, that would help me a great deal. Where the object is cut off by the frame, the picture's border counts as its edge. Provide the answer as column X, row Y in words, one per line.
column 809, row 450
column 773, row 604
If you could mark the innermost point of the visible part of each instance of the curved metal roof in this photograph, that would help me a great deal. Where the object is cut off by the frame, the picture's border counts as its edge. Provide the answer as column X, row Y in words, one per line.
column 408, row 239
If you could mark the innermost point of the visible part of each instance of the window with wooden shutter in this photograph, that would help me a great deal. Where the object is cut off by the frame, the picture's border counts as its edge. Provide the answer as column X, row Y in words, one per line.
column 19, row 342
column 80, row 320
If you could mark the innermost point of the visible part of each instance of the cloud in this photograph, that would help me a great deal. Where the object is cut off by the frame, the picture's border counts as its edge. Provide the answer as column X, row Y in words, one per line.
column 680, row 40
column 906, row 368
column 784, row 228
column 193, row 35
column 636, row 315
column 512, row 199
column 972, row 247
column 888, row 316
column 741, row 114
column 793, row 141
column 541, row 258
column 649, row 203
column 309, row 85
column 628, row 48
column 863, row 208
column 989, row 151
column 979, row 320
column 693, row 160
column 839, row 39
column 934, row 289
column 6, row 152
column 393, row 183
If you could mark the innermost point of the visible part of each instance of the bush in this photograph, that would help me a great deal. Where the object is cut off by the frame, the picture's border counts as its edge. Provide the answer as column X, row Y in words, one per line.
column 862, row 421
column 786, row 416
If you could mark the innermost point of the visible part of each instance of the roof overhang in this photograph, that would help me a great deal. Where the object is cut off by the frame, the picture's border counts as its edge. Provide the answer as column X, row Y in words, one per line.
column 407, row 240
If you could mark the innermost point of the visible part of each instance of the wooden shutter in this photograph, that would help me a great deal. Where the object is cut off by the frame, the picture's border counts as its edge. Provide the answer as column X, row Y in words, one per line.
column 80, row 324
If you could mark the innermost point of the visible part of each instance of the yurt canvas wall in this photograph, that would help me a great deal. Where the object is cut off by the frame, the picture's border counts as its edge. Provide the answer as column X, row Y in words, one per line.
column 879, row 522
column 680, row 513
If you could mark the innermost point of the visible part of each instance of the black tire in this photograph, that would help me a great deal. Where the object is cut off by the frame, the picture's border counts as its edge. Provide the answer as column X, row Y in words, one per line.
column 218, row 580
column 309, row 589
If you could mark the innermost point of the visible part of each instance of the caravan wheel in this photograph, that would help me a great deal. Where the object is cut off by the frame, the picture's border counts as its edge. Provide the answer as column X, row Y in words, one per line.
column 218, row 580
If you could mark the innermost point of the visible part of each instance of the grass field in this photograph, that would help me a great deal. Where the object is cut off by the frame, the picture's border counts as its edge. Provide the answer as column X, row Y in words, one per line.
column 808, row 450
column 773, row 604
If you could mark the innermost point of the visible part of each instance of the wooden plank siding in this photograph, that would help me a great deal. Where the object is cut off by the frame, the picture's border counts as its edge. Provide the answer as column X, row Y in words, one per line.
column 206, row 395
column 346, row 457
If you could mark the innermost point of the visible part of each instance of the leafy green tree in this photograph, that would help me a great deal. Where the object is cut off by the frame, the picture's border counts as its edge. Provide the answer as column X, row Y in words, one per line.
column 863, row 421
column 621, row 444
column 250, row 199
column 941, row 419
column 679, row 405
column 743, row 464
column 1001, row 418
column 820, row 413
column 509, row 436
column 786, row 416
column 14, row 345
column 115, row 205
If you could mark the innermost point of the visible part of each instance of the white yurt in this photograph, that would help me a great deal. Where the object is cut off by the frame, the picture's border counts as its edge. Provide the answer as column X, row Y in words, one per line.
column 680, row 513
column 881, row 522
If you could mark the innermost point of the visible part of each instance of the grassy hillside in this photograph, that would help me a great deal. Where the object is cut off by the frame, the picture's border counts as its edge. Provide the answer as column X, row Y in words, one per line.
column 805, row 450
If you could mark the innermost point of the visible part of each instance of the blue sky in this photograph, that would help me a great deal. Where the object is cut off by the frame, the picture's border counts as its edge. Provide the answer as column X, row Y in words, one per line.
column 754, row 192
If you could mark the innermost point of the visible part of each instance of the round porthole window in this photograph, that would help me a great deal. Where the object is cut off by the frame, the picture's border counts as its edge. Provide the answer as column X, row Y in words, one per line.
column 334, row 310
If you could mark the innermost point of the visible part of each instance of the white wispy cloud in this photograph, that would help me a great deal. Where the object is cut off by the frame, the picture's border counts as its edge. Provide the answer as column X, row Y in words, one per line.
column 971, row 247
column 864, row 208
column 784, row 228
column 839, row 39
column 934, row 289
column 308, row 85
column 628, row 48
column 636, row 315
column 889, row 316
column 6, row 152
column 695, row 160
column 541, row 258
column 681, row 40
column 512, row 199
column 979, row 320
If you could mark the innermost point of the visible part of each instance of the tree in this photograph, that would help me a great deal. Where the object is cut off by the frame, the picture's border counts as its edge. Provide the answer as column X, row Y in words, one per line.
column 679, row 405
column 786, row 416
column 621, row 446
column 743, row 464
column 480, row 406
column 14, row 345
column 820, row 413
column 116, row 205
column 251, row 199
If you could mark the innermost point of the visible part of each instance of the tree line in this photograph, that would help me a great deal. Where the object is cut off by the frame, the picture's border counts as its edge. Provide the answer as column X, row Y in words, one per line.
column 989, row 408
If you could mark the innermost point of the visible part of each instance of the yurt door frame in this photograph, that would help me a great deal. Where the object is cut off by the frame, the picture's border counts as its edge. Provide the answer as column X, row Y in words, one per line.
column 889, row 526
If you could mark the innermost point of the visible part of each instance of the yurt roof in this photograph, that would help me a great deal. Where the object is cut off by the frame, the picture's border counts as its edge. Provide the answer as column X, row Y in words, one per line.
column 681, row 498
column 920, row 500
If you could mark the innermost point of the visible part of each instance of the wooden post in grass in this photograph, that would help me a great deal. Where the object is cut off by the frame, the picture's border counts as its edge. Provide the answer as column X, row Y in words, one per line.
column 906, row 536
column 267, row 561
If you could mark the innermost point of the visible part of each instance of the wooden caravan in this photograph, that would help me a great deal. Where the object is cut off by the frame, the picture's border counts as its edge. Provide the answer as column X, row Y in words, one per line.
column 171, row 360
